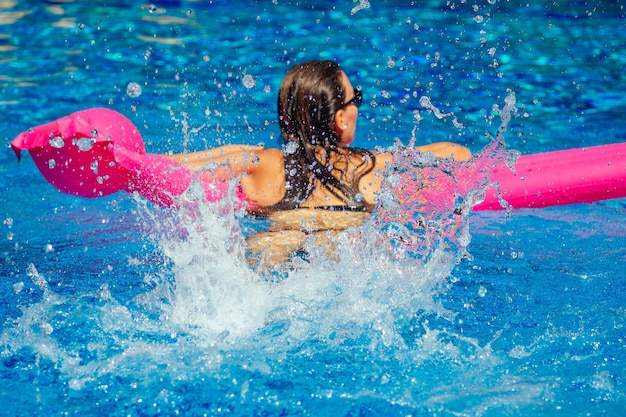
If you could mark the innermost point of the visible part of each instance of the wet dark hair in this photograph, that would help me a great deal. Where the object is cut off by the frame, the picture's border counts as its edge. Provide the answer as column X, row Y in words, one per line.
column 310, row 95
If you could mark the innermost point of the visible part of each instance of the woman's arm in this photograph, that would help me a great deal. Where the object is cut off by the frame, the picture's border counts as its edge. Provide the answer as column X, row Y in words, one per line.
column 447, row 150
column 260, row 169
column 369, row 185
column 231, row 154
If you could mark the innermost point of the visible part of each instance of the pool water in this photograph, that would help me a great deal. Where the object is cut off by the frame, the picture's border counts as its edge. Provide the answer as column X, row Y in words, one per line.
column 113, row 306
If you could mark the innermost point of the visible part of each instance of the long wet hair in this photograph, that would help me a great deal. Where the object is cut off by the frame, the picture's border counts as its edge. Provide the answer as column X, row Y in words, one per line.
column 310, row 95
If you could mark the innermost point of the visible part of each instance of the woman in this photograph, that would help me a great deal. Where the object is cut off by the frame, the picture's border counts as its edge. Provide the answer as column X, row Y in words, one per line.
column 317, row 113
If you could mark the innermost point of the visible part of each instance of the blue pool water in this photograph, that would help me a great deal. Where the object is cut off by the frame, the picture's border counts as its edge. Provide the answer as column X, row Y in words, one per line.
column 116, row 307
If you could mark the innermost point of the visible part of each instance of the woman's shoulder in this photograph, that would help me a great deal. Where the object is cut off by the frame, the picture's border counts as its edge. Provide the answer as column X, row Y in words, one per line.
column 264, row 183
column 272, row 152
column 267, row 157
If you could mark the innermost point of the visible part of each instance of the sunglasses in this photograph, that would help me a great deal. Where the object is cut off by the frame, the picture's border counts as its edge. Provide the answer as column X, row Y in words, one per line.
column 357, row 100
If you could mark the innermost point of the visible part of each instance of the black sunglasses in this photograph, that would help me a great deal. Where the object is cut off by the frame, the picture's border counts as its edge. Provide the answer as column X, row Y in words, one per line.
column 357, row 100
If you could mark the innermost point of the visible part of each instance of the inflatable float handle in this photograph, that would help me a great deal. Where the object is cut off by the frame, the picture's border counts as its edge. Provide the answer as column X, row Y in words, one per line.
column 97, row 152
column 580, row 175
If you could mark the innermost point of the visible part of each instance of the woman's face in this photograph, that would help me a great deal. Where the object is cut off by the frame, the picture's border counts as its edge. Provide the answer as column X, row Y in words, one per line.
column 345, row 119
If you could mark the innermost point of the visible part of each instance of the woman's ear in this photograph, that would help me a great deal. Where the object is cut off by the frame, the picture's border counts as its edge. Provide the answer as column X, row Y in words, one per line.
column 340, row 122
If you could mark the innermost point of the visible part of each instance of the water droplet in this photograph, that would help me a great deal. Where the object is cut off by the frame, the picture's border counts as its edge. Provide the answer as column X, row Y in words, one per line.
column 457, row 124
column 81, row 26
column 291, row 148
column 18, row 287
column 104, row 292
column 85, row 144
column 48, row 248
column 94, row 167
column 36, row 277
column 57, row 142
column 52, row 163
column 478, row 19
column 248, row 81
column 46, row 327
column 510, row 100
column 482, row 291
column 363, row 4
column 133, row 89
